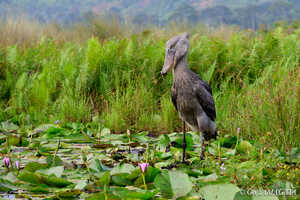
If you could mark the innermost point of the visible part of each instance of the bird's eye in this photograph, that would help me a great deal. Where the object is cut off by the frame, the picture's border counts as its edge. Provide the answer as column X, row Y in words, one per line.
column 171, row 51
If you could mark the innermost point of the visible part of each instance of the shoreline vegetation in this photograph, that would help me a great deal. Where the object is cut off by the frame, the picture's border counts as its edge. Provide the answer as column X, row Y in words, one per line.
column 105, row 73
column 80, row 106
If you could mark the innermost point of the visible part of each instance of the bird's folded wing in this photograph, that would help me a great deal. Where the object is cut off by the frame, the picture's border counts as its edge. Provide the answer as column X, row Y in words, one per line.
column 205, row 99
column 174, row 97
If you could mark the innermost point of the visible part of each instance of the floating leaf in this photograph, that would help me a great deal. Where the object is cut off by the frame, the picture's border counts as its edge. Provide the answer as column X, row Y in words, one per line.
column 97, row 196
column 163, row 142
column 55, row 132
column 150, row 175
column 55, row 181
column 121, row 180
column 7, row 126
column 96, row 166
column 57, row 171
column 39, row 189
column 68, row 194
column 14, row 140
column 81, row 185
column 179, row 140
column 219, row 192
column 123, row 168
column 228, row 141
column 30, row 177
column 245, row 147
column 125, row 193
column 104, row 180
column 33, row 166
column 105, row 132
column 54, row 161
column 173, row 184
column 6, row 186
column 41, row 128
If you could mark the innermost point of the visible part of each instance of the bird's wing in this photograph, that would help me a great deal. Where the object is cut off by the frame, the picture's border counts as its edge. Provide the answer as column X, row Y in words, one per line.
column 206, row 85
column 205, row 98
column 174, row 97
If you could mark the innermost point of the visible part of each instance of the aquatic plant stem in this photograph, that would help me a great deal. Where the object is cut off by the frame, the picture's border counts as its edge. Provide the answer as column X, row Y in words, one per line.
column 56, row 151
column 144, row 180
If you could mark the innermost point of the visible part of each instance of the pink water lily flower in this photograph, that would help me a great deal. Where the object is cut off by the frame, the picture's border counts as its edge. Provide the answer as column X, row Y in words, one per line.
column 143, row 166
column 6, row 161
column 17, row 164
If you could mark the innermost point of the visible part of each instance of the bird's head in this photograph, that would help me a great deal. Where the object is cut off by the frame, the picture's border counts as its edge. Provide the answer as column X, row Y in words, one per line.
column 176, row 48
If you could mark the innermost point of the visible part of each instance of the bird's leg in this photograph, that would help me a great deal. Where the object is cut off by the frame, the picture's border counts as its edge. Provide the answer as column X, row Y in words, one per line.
column 183, row 142
column 202, row 146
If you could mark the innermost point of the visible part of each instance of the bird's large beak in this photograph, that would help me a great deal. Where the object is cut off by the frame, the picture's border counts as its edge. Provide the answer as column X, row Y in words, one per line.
column 168, row 65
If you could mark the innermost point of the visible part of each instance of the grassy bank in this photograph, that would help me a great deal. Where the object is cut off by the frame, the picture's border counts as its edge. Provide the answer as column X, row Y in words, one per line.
column 115, row 81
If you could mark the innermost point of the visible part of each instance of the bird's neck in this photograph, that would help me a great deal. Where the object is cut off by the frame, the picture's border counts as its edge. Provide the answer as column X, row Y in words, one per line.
column 181, row 67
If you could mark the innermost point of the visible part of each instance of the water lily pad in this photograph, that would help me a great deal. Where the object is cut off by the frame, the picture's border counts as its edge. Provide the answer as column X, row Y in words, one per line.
column 101, row 196
column 105, row 132
column 41, row 128
column 39, row 189
column 33, row 166
column 8, row 126
column 6, row 186
column 104, row 180
column 245, row 147
column 163, row 142
column 81, row 185
column 30, row 177
column 14, row 140
column 96, row 166
column 57, row 171
column 55, row 181
column 228, row 141
column 150, row 175
column 173, row 184
column 67, row 194
column 123, row 168
column 125, row 193
column 219, row 192
column 51, row 161
column 121, row 180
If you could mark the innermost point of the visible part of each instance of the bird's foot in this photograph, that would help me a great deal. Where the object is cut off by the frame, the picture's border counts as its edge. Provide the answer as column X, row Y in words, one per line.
column 185, row 162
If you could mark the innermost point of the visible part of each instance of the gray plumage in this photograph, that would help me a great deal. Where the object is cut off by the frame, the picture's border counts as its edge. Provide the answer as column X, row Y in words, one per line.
column 191, row 96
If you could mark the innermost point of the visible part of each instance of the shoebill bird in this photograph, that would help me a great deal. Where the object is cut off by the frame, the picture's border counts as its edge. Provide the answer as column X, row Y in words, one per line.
column 191, row 96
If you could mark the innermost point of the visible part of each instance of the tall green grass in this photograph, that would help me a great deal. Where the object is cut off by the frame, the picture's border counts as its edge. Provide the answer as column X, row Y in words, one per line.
column 116, row 82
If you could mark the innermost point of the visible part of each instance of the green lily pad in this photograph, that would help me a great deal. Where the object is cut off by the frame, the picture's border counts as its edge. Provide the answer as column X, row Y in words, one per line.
column 81, row 185
column 7, row 126
column 123, row 168
column 57, row 171
column 173, row 184
column 163, row 142
column 6, row 186
column 121, row 179
column 125, row 193
column 55, row 181
column 219, row 192
column 39, row 189
column 245, row 147
column 67, row 194
column 96, row 166
column 150, row 175
column 29, row 177
column 104, row 180
column 33, row 166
